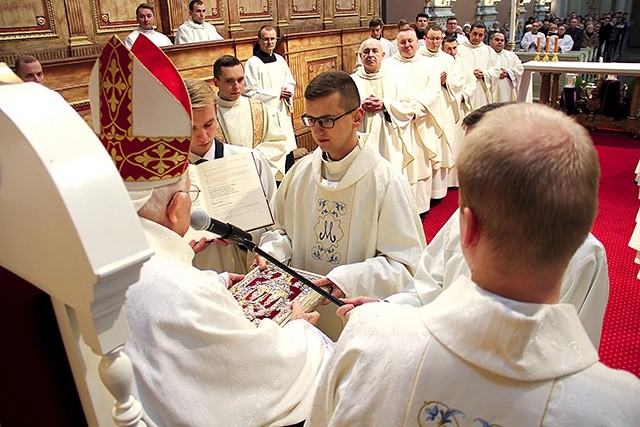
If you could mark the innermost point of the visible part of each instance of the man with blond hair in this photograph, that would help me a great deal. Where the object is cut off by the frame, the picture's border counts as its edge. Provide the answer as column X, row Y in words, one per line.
column 499, row 336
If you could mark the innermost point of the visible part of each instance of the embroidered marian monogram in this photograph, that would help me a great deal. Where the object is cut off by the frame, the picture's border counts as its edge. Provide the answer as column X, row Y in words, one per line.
column 328, row 231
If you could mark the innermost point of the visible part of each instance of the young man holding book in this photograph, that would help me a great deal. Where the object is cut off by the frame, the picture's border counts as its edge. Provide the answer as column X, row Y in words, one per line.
column 343, row 211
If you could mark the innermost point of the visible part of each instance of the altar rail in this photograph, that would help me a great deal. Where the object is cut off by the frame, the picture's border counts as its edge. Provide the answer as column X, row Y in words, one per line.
column 550, row 73
column 307, row 54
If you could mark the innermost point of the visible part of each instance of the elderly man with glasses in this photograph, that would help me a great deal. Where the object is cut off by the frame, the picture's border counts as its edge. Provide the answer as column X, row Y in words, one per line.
column 343, row 211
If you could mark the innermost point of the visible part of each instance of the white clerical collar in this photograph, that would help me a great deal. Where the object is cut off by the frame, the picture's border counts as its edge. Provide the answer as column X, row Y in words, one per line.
column 334, row 171
column 225, row 103
column 401, row 58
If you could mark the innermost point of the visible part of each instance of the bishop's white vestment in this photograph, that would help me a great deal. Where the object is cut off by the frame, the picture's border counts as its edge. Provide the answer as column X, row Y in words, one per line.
column 264, row 134
column 506, row 90
column 471, row 358
column 198, row 361
column 264, row 81
column 481, row 57
column 156, row 38
column 192, row 32
column 232, row 257
column 585, row 284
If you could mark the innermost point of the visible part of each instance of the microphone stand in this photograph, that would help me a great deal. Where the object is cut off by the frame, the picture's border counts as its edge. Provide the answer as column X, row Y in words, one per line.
column 255, row 249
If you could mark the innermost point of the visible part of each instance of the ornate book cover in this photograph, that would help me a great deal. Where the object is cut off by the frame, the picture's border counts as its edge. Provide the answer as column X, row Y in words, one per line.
column 269, row 294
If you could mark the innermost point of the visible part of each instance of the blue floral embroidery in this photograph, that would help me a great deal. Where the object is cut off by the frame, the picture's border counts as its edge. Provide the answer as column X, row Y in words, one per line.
column 437, row 413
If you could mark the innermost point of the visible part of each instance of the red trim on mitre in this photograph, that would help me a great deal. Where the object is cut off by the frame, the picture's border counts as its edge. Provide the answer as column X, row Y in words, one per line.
column 158, row 64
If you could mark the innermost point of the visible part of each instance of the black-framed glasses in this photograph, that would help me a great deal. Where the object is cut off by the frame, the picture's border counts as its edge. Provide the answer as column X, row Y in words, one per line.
column 194, row 193
column 324, row 122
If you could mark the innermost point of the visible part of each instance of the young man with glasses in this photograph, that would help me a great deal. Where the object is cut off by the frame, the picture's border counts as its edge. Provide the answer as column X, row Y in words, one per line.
column 343, row 211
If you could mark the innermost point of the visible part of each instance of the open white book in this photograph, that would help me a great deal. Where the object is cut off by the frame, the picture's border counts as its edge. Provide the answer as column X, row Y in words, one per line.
column 231, row 191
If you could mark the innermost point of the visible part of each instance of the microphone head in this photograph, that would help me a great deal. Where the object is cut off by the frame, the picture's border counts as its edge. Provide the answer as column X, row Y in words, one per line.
column 199, row 220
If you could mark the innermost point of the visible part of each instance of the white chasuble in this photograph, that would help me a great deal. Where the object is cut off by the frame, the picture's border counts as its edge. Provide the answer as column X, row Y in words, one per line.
column 383, row 129
column 471, row 358
column 506, row 90
column 361, row 231
column 481, row 57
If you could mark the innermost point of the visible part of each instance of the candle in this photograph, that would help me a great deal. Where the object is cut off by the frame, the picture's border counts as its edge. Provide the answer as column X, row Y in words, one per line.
column 538, row 46
column 546, row 48
column 557, row 46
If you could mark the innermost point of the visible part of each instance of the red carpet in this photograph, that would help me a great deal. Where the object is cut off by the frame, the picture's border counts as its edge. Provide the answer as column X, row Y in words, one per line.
column 618, row 206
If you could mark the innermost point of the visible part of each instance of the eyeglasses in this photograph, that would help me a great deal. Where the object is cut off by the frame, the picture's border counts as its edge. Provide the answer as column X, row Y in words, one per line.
column 194, row 192
column 324, row 122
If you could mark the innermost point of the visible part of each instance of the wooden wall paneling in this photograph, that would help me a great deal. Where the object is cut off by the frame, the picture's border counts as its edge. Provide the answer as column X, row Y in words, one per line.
column 244, row 48
column 111, row 16
column 328, row 9
column 196, row 59
column 20, row 32
column 309, row 55
column 351, row 40
column 304, row 15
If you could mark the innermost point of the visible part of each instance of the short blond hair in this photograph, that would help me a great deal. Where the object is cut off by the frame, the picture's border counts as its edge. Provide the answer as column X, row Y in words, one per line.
column 200, row 93
column 530, row 174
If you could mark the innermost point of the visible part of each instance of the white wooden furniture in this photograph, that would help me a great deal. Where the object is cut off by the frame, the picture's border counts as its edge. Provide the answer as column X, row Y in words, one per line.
column 69, row 228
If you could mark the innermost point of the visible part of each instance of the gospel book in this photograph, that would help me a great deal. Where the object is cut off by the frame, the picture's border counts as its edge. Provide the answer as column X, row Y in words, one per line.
column 231, row 191
column 268, row 294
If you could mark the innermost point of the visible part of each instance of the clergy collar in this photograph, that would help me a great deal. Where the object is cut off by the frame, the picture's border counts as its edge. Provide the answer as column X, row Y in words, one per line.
column 334, row 171
column 225, row 103
column 263, row 56
column 401, row 58
column 473, row 46
column 361, row 72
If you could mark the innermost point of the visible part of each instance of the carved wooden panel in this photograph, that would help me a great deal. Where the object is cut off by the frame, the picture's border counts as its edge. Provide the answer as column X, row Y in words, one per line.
column 305, row 8
column 255, row 10
column 27, row 19
column 178, row 12
column 346, row 7
column 113, row 15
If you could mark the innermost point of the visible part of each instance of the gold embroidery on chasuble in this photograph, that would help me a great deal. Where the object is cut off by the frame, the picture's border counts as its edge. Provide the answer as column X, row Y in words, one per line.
column 257, row 117
column 138, row 158
column 329, row 239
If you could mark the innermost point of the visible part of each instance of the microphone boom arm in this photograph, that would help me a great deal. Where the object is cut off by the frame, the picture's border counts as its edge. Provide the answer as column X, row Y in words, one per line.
column 255, row 249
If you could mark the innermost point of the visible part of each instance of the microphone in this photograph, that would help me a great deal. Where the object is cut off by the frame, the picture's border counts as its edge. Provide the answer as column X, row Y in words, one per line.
column 201, row 221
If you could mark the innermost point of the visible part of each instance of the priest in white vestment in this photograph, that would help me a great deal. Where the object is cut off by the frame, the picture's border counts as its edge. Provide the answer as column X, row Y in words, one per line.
column 221, row 255
column 440, row 65
column 505, row 86
column 236, row 112
column 483, row 61
column 496, row 349
column 146, row 20
column 196, row 359
column 269, row 79
column 195, row 28
column 384, row 116
column 463, row 84
column 558, row 35
column 534, row 40
column 421, row 91
column 343, row 211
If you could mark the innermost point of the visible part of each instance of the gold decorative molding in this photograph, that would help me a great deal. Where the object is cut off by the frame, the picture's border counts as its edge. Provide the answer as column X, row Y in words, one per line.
column 317, row 65
column 105, row 18
column 43, row 24
column 346, row 8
